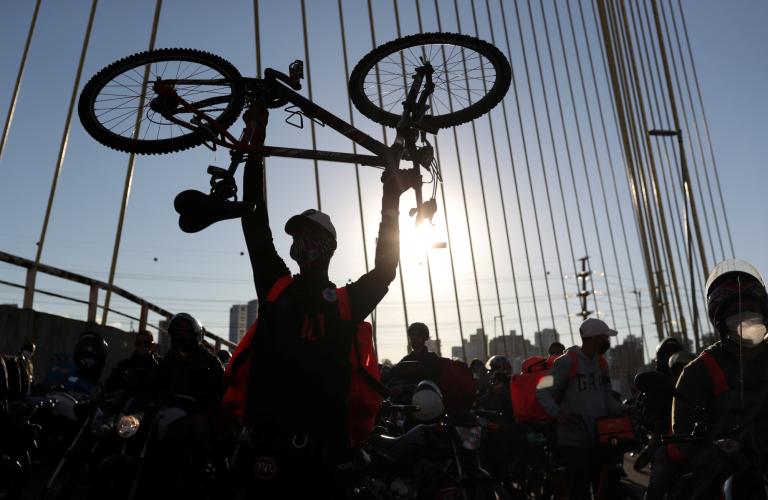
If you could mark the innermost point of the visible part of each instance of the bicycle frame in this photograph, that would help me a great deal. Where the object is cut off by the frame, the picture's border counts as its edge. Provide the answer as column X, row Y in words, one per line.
column 275, row 87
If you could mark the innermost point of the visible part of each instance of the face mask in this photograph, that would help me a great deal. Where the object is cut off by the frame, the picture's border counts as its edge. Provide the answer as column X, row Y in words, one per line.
column 750, row 325
column 26, row 354
column 604, row 346
column 308, row 251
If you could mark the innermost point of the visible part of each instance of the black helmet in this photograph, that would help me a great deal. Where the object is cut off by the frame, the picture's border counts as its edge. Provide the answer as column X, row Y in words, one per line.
column 90, row 354
column 224, row 356
column 29, row 346
column 730, row 281
column 183, row 322
column 680, row 358
column 498, row 363
column 668, row 347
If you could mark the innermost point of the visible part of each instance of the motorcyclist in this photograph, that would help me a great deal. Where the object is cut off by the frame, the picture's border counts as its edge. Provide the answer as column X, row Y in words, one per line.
column 668, row 463
column 725, row 387
column 134, row 376
column 190, row 377
column 576, row 393
column 89, row 356
column 189, row 369
column 299, row 437
column 26, row 353
column 665, row 349
column 419, row 364
column 497, row 396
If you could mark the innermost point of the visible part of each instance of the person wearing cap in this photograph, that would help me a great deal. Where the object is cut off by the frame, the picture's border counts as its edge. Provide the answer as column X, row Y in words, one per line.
column 299, row 355
column 576, row 392
column 725, row 387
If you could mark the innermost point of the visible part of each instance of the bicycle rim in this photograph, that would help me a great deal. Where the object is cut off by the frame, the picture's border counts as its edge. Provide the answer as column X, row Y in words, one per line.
column 120, row 108
column 470, row 77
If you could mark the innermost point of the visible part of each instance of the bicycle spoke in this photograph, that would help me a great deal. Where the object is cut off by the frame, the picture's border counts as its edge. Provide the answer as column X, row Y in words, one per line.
column 461, row 77
column 116, row 106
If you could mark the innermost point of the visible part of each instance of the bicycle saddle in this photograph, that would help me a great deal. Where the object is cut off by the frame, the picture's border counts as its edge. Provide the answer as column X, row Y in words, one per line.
column 198, row 210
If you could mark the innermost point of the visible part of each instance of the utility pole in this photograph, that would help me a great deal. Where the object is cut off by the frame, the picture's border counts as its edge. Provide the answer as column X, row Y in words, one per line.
column 583, row 292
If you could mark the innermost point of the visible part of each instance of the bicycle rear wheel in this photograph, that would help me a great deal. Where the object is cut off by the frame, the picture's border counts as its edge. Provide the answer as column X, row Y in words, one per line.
column 471, row 76
column 110, row 101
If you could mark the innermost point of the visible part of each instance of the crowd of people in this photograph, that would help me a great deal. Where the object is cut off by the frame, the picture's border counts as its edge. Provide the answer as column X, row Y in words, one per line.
column 304, row 386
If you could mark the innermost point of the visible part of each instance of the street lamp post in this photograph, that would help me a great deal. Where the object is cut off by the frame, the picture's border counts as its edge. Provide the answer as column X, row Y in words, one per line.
column 688, row 206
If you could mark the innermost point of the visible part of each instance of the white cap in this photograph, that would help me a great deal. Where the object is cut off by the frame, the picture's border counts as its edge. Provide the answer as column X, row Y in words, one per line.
column 312, row 219
column 594, row 327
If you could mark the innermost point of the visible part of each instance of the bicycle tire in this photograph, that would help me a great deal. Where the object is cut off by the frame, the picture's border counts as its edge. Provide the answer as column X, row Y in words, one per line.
column 381, row 113
column 130, row 69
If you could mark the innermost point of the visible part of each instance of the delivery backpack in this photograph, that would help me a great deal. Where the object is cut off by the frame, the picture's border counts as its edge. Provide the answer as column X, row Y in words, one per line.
column 365, row 392
column 457, row 385
column 523, row 386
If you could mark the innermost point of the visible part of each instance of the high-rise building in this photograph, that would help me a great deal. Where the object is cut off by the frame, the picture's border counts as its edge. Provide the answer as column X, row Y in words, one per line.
column 625, row 361
column 253, row 312
column 163, row 339
column 544, row 338
column 433, row 345
column 475, row 347
column 238, row 324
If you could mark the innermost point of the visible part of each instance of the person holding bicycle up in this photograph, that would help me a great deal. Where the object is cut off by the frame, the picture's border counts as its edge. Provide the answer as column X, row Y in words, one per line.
column 297, row 419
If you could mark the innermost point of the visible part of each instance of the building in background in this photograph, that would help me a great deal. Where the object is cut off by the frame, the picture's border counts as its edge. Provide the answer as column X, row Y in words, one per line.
column 238, row 322
column 544, row 338
column 625, row 361
column 475, row 347
column 242, row 316
column 253, row 312
column 163, row 339
column 433, row 345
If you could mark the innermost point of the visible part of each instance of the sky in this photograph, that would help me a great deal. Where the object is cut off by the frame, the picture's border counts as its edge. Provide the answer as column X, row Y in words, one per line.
column 207, row 272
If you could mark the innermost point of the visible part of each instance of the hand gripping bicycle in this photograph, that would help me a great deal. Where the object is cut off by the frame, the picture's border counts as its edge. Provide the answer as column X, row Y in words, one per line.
column 168, row 100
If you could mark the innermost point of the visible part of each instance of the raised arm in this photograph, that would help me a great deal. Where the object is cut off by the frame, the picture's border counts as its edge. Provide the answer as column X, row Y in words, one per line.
column 367, row 292
column 266, row 264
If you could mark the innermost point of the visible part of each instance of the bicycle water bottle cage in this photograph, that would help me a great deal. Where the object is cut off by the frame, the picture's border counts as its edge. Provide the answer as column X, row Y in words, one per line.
column 294, row 111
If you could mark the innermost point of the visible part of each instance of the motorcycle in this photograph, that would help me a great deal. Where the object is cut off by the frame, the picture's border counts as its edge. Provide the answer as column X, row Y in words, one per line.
column 437, row 458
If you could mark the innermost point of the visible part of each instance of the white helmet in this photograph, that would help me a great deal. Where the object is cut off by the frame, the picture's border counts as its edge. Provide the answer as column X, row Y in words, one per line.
column 429, row 399
column 732, row 280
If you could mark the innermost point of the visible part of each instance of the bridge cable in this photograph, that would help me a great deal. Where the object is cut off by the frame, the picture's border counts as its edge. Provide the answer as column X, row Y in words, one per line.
column 386, row 141
column 582, row 151
column 129, row 171
column 706, row 127
column 19, row 77
column 308, row 77
column 354, row 150
column 31, row 275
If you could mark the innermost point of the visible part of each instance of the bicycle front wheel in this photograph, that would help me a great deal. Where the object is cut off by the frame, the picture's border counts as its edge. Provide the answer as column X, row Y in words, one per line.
column 471, row 76
column 112, row 112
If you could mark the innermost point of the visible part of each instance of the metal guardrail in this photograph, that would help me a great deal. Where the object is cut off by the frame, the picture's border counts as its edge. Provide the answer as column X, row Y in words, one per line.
column 93, row 296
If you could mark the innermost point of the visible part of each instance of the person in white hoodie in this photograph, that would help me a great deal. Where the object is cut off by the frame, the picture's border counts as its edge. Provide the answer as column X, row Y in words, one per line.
column 576, row 392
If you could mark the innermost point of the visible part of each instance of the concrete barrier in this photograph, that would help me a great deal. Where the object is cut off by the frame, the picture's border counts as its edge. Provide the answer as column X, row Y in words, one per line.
column 56, row 336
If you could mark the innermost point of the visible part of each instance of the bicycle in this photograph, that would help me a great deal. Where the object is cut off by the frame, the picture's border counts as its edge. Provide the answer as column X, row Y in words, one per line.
column 169, row 100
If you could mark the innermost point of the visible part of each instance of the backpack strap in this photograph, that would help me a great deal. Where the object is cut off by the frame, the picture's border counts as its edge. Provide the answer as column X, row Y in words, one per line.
column 719, row 384
column 345, row 313
column 575, row 365
column 278, row 287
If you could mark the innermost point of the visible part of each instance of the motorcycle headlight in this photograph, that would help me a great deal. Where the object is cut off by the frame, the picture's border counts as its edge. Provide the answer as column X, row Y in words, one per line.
column 470, row 436
column 128, row 425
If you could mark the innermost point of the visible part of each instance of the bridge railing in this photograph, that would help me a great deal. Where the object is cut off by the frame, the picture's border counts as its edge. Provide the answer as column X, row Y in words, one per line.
column 93, row 297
